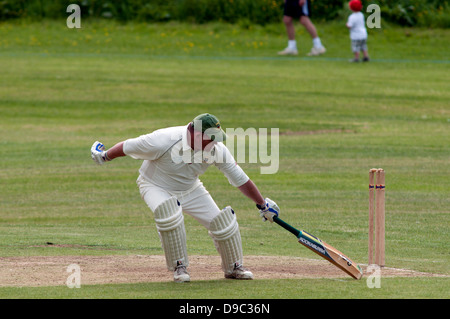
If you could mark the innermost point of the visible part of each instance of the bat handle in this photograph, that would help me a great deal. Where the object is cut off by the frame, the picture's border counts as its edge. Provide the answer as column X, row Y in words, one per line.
column 286, row 226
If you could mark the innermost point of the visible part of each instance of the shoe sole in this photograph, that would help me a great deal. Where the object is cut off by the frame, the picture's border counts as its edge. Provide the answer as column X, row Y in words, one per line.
column 239, row 277
column 316, row 54
column 181, row 279
column 284, row 54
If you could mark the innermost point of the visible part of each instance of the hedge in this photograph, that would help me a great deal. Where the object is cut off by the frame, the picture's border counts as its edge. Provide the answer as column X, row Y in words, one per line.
column 431, row 13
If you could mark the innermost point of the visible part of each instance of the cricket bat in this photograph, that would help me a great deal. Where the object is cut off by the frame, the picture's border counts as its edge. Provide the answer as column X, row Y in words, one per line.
column 322, row 249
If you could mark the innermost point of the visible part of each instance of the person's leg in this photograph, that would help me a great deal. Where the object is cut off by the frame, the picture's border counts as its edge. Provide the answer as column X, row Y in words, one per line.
column 152, row 195
column 291, row 49
column 355, row 50
column 290, row 28
column 223, row 229
column 309, row 26
column 199, row 204
column 365, row 51
column 365, row 56
column 305, row 20
column 169, row 222
column 291, row 11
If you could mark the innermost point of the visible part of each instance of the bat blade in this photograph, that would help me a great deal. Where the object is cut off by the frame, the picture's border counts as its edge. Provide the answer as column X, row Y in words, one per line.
column 330, row 253
column 324, row 250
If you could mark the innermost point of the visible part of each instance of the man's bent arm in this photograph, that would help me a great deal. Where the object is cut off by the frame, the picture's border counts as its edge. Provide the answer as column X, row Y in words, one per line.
column 250, row 190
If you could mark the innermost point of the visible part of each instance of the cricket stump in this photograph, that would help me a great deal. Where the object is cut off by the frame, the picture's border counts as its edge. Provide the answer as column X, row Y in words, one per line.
column 377, row 216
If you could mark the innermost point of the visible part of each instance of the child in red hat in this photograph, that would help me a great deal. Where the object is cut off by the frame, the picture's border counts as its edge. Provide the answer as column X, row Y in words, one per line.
column 358, row 32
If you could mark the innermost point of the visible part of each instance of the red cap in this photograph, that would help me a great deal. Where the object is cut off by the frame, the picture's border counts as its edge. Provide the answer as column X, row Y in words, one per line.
column 355, row 5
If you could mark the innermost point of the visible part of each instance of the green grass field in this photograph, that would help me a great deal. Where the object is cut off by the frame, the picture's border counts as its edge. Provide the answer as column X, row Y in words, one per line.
column 62, row 89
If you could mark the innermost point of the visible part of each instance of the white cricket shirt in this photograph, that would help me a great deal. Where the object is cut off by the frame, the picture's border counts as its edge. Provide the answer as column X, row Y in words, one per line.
column 357, row 26
column 170, row 163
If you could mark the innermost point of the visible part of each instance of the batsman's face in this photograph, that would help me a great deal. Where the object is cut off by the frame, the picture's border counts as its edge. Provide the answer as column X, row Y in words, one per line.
column 200, row 141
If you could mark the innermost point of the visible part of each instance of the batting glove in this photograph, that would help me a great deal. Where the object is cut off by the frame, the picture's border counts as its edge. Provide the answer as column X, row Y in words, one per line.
column 269, row 210
column 98, row 153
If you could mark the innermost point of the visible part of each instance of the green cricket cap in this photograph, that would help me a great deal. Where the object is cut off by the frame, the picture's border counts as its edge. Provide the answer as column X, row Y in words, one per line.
column 209, row 125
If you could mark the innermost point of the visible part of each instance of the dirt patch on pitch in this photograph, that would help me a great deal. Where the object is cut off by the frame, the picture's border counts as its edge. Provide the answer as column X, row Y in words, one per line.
column 53, row 270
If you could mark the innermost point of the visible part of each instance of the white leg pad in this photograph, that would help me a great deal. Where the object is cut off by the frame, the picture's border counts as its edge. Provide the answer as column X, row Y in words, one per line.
column 169, row 221
column 224, row 230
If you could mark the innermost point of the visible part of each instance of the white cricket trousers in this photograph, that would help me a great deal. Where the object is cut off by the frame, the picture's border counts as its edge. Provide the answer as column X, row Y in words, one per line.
column 196, row 202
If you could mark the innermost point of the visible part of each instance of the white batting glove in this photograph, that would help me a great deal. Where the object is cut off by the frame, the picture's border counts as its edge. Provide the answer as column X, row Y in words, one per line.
column 269, row 210
column 98, row 153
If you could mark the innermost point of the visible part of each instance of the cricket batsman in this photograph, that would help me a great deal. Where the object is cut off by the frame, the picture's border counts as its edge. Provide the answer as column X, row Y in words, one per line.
column 173, row 159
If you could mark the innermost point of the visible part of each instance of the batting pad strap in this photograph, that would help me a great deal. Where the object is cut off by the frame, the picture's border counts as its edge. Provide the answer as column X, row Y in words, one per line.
column 169, row 221
column 224, row 229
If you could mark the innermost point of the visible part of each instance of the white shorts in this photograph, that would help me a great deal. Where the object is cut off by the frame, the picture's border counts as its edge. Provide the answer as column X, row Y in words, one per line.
column 196, row 202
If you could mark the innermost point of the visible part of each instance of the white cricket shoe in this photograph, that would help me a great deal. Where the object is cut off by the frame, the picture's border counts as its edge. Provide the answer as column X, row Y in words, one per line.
column 240, row 272
column 180, row 274
column 317, row 51
column 288, row 51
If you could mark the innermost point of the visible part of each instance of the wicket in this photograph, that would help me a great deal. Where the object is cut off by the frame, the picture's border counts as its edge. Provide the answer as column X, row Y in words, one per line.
column 377, row 211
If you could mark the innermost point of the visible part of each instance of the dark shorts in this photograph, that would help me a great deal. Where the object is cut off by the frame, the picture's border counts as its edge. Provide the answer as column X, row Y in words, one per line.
column 292, row 9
